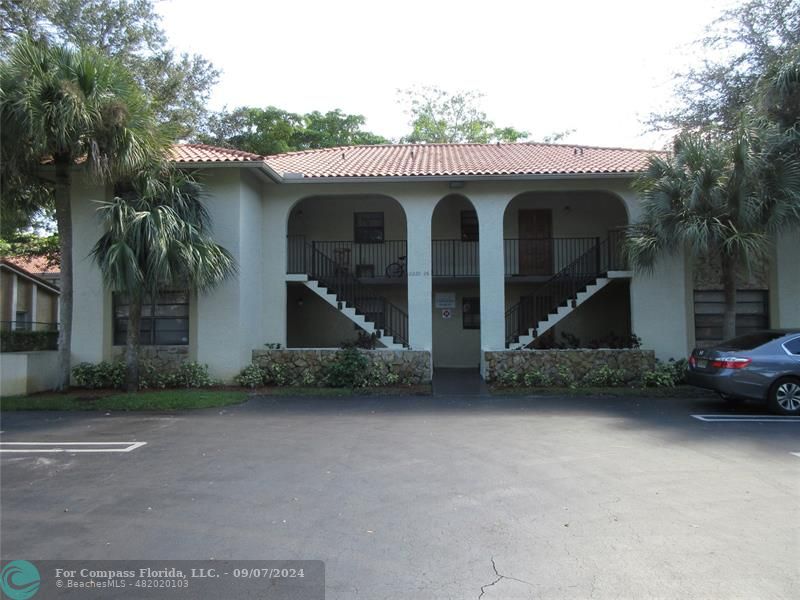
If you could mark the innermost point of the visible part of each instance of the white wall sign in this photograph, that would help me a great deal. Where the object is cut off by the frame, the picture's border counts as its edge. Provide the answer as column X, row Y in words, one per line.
column 445, row 300
column 446, row 313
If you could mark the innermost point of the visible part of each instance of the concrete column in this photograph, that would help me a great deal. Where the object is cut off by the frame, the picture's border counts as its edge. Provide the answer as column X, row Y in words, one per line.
column 230, row 318
column 14, row 292
column 275, row 228
column 662, row 314
column 784, row 285
column 491, row 210
column 34, row 304
column 91, row 314
column 419, row 211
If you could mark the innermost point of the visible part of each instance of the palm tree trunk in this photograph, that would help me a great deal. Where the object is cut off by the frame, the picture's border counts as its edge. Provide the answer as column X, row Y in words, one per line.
column 132, row 344
column 729, row 287
column 64, row 222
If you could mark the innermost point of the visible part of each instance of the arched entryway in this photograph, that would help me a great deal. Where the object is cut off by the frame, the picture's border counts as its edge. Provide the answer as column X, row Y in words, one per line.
column 558, row 245
column 354, row 247
column 455, row 284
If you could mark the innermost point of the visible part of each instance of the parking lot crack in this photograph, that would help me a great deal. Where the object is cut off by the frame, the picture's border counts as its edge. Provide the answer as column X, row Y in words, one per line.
column 499, row 578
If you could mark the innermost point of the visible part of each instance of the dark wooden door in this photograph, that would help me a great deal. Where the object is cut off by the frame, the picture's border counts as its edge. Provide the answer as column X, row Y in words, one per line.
column 535, row 242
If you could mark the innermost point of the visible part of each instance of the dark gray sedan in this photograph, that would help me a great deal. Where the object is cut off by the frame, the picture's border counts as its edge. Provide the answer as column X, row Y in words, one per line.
column 763, row 365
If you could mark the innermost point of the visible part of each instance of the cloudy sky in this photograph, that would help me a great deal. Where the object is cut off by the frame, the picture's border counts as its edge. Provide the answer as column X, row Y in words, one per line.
column 544, row 66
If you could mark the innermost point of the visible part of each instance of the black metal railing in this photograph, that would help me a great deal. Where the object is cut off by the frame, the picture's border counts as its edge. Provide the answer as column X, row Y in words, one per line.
column 455, row 258
column 364, row 260
column 543, row 256
column 338, row 279
column 21, row 336
column 600, row 258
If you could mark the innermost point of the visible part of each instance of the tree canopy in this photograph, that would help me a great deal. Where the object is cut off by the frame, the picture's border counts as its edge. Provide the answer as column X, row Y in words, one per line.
column 438, row 116
column 740, row 48
column 179, row 84
column 273, row 130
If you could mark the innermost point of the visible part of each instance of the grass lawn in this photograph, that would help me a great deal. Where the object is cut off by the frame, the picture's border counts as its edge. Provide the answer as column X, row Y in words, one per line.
column 160, row 400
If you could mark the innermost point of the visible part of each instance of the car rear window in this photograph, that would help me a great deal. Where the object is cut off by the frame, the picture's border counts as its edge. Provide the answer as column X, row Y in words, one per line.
column 793, row 346
column 750, row 341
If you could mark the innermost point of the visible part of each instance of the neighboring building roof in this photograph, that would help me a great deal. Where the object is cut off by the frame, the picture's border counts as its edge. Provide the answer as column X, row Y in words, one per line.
column 431, row 160
column 35, row 264
column 6, row 263
column 203, row 153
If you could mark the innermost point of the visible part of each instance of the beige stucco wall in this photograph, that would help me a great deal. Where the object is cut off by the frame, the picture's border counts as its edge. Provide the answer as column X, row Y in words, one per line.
column 454, row 346
column 6, row 289
column 28, row 372
column 785, row 281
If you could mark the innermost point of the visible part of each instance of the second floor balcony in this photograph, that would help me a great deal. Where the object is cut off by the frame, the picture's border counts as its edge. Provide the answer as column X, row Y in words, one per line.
column 384, row 261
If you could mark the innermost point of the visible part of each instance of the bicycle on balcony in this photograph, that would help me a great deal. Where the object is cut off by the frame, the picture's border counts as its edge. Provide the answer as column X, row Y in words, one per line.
column 397, row 269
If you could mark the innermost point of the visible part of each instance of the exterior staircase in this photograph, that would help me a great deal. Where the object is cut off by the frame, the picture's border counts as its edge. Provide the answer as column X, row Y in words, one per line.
column 337, row 286
column 563, row 293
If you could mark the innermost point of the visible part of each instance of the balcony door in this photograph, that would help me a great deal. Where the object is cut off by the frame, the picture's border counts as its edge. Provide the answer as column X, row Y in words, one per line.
column 535, row 242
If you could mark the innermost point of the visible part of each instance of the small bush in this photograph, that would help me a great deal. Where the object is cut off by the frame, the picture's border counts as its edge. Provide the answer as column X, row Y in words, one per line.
column 605, row 376
column 667, row 374
column 251, row 376
column 190, row 375
column 565, row 377
column 348, row 369
column 112, row 375
column 507, row 379
column 537, row 378
column 101, row 375
column 21, row 340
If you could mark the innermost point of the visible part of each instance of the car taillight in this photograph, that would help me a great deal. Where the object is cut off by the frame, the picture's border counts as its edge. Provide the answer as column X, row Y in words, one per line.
column 692, row 361
column 731, row 363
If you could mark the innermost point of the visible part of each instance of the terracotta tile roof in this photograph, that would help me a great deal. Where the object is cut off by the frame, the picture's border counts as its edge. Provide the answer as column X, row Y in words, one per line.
column 202, row 153
column 34, row 264
column 411, row 160
column 12, row 265
column 420, row 160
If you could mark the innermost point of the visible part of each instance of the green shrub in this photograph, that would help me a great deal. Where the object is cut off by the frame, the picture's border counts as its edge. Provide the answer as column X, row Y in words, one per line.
column 537, row 378
column 112, row 375
column 101, row 375
column 251, row 376
column 21, row 340
column 348, row 369
column 565, row 377
column 605, row 376
column 276, row 374
column 667, row 374
column 507, row 379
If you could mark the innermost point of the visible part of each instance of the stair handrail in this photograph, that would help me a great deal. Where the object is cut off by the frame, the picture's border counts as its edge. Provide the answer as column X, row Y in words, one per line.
column 565, row 284
column 340, row 280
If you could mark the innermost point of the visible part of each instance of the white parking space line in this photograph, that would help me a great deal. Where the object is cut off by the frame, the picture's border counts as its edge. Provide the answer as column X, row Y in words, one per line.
column 746, row 419
column 71, row 447
column 797, row 454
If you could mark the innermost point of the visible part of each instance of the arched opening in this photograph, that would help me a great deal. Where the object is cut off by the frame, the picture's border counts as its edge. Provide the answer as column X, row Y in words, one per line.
column 346, row 270
column 455, row 283
column 562, row 251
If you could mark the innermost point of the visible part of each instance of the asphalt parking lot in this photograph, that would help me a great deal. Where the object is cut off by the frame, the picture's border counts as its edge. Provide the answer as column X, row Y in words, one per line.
column 426, row 497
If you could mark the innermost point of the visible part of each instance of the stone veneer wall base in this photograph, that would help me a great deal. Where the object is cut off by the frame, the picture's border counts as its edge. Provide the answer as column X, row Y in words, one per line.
column 632, row 362
column 412, row 366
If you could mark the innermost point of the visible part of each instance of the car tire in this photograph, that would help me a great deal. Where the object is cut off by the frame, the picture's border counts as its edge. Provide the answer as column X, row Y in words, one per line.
column 784, row 396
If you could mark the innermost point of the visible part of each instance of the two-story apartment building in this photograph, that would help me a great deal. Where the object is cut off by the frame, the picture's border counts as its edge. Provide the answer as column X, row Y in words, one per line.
column 456, row 249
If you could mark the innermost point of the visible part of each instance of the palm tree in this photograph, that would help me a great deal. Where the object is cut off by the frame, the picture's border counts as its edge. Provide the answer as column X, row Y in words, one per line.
column 61, row 109
column 720, row 196
column 157, row 236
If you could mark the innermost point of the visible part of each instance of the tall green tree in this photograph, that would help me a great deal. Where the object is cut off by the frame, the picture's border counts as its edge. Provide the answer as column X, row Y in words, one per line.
column 718, row 195
column 157, row 236
column 75, row 109
column 273, row 130
column 740, row 48
column 438, row 116
column 130, row 31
